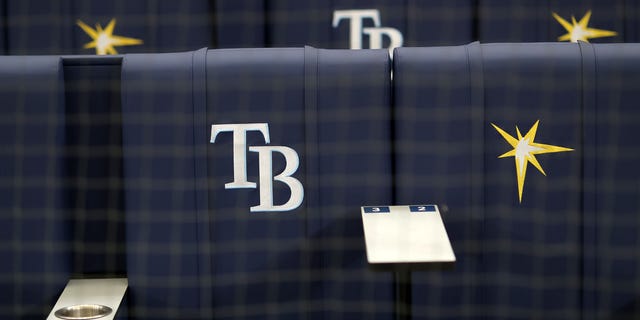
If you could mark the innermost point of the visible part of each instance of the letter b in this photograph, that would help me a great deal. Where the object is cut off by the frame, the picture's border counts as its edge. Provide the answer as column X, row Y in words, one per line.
column 265, row 159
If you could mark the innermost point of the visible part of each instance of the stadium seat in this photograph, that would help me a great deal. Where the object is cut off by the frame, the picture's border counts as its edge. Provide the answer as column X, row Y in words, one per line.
column 332, row 107
column 202, row 240
column 454, row 108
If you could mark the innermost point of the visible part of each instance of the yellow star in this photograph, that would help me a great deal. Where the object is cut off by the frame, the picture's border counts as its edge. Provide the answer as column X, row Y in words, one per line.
column 524, row 151
column 579, row 30
column 103, row 40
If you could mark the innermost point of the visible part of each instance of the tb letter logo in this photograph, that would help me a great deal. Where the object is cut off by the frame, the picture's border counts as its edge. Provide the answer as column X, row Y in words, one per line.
column 265, row 170
column 375, row 34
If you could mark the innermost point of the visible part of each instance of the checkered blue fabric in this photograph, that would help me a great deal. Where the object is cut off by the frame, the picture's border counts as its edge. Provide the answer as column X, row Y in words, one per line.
column 433, row 113
column 163, row 244
column 459, row 91
column 36, row 27
column 34, row 229
column 531, row 255
column 551, row 254
column 194, row 246
column 32, row 27
column 239, row 24
column 341, row 133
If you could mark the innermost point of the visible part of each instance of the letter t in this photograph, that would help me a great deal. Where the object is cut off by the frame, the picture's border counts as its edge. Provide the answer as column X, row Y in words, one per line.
column 240, row 149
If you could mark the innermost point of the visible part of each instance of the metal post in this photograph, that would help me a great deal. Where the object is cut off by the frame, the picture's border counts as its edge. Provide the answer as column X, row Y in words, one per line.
column 402, row 282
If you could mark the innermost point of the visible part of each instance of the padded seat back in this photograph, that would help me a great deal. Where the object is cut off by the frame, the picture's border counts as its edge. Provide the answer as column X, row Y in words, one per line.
column 251, row 172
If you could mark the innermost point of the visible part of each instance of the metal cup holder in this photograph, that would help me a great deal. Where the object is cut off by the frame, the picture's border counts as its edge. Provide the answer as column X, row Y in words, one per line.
column 83, row 312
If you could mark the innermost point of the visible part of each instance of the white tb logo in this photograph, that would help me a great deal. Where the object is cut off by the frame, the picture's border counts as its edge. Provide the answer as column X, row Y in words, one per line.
column 375, row 34
column 265, row 157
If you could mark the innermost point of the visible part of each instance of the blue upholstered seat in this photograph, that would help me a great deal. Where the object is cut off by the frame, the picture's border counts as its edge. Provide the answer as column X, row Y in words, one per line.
column 552, row 251
column 198, row 247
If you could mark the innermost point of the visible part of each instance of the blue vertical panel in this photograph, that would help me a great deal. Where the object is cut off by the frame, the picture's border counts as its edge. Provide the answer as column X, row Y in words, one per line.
column 260, row 259
column 34, row 233
column 434, row 114
column 331, row 107
column 617, row 276
column 35, row 27
column 160, row 189
column 532, row 259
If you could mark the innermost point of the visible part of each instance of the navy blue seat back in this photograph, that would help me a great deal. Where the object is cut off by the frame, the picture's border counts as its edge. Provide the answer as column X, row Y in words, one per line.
column 34, row 233
column 196, row 247
column 535, row 242
column 161, row 224
column 332, row 108
column 515, row 258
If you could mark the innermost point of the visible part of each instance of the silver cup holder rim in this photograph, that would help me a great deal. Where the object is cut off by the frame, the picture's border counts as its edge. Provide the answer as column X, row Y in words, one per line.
column 98, row 311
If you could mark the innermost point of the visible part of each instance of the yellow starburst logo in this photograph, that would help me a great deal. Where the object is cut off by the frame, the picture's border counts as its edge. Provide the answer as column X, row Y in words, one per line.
column 103, row 39
column 525, row 150
column 579, row 30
